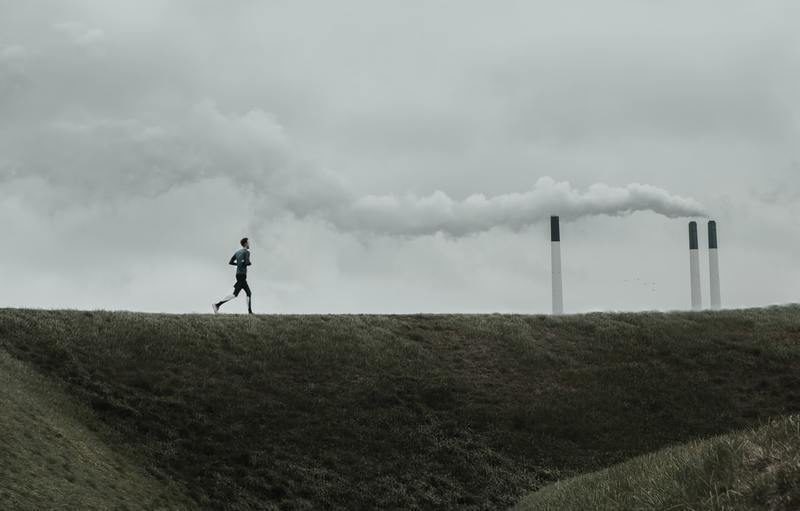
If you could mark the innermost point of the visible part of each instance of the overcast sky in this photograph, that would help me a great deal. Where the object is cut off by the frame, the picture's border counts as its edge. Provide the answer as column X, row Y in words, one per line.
column 396, row 157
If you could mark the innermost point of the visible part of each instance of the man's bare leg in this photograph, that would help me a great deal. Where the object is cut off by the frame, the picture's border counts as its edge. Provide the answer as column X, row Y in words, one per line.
column 215, row 306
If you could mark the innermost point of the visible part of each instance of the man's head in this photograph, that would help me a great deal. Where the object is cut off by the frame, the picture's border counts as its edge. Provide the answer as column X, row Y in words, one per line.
column 245, row 243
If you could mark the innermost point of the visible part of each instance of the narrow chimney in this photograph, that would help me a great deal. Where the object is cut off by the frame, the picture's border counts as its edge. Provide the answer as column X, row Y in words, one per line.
column 694, row 267
column 555, row 247
column 713, row 265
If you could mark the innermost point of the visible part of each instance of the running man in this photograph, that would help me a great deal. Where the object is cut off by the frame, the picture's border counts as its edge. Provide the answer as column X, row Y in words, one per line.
column 241, row 259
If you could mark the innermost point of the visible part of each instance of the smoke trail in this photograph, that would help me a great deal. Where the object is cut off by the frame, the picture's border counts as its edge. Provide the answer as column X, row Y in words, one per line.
column 108, row 159
column 412, row 215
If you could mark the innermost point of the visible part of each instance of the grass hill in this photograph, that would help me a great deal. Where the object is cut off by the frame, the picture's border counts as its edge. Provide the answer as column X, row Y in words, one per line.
column 418, row 411
column 757, row 469
column 52, row 458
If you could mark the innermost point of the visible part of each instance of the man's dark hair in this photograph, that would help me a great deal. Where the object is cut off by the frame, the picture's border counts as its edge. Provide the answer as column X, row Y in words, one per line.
column 243, row 241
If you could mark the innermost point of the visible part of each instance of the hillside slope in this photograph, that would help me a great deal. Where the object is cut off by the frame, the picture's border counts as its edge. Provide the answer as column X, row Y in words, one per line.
column 52, row 460
column 421, row 411
column 757, row 469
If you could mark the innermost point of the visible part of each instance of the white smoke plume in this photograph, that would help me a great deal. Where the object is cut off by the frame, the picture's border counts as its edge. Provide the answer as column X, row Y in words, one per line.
column 412, row 215
column 110, row 158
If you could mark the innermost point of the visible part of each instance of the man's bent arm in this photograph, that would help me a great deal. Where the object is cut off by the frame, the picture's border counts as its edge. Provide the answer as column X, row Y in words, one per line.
column 247, row 258
column 232, row 262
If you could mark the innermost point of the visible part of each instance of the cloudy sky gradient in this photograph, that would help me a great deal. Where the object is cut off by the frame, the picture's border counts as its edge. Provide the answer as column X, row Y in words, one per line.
column 396, row 157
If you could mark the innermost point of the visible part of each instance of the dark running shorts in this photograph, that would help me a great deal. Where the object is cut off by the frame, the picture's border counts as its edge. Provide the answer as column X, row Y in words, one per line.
column 241, row 283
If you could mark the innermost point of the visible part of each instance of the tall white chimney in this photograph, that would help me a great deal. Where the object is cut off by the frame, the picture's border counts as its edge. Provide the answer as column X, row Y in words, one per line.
column 713, row 265
column 694, row 267
column 555, row 248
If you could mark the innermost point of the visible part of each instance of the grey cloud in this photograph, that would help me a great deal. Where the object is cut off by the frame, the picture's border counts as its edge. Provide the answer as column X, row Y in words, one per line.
column 13, row 52
column 97, row 156
column 79, row 33
column 13, row 59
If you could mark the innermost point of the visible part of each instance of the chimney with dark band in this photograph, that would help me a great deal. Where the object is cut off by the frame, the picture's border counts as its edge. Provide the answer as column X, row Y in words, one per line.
column 713, row 266
column 555, row 249
column 694, row 267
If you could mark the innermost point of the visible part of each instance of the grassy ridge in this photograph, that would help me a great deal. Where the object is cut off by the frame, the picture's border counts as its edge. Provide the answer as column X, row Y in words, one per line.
column 756, row 469
column 52, row 460
column 460, row 412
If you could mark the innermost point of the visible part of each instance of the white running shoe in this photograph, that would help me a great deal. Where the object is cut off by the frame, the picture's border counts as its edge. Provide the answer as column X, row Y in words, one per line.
column 215, row 307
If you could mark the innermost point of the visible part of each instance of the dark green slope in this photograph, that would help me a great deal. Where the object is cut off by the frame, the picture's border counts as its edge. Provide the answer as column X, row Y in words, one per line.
column 50, row 458
column 450, row 412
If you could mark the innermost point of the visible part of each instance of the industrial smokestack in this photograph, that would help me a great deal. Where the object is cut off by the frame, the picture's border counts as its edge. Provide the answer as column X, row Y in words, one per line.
column 694, row 267
column 555, row 248
column 713, row 265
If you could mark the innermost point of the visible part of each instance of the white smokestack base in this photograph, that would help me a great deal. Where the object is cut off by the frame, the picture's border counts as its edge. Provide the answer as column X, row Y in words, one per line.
column 713, row 265
column 694, row 267
column 555, row 248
